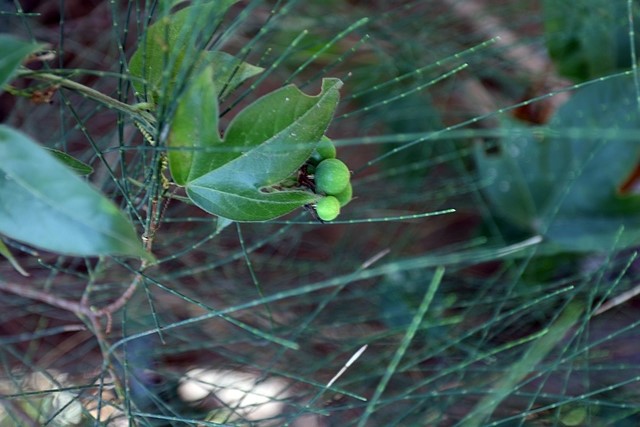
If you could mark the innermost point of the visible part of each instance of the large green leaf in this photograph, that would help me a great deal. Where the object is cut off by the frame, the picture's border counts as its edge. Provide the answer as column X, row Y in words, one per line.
column 229, row 72
column 45, row 204
column 519, row 181
column 589, row 38
column 566, row 186
column 194, row 129
column 194, row 140
column 266, row 143
column 13, row 52
column 173, row 44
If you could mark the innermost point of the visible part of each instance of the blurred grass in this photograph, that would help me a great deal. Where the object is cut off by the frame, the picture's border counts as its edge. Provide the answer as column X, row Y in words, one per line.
column 295, row 299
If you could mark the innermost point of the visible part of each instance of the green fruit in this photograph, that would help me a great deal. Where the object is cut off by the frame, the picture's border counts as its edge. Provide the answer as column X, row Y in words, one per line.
column 345, row 195
column 326, row 149
column 328, row 208
column 331, row 176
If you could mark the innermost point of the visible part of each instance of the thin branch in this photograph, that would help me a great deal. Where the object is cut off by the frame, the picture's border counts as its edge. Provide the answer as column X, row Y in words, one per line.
column 125, row 297
column 618, row 300
column 136, row 112
column 73, row 306
column 46, row 297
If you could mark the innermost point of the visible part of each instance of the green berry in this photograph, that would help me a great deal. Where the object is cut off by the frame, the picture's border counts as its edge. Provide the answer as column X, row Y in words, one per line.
column 345, row 195
column 332, row 176
column 328, row 208
column 326, row 149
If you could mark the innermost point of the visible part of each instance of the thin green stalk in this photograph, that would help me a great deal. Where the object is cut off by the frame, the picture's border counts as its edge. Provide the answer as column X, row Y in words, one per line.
column 136, row 112
column 537, row 351
column 404, row 345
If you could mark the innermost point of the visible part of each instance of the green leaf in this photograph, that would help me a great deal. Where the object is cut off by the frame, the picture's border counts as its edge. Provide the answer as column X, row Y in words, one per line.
column 76, row 165
column 607, row 107
column 242, row 205
column 267, row 142
column 46, row 205
column 565, row 186
column 222, row 223
column 229, row 72
column 174, row 44
column 589, row 38
column 514, row 180
column 5, row 252
column 13, row 52
column 194, row 132
column 194, row 129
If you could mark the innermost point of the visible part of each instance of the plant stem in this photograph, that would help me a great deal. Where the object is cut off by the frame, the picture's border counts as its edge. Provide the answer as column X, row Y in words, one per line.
column 47, row 298
column 125, row 296
column 73, row 306
column 135, row 112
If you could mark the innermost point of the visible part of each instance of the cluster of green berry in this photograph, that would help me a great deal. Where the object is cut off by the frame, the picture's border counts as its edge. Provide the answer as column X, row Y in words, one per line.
column 331, row 179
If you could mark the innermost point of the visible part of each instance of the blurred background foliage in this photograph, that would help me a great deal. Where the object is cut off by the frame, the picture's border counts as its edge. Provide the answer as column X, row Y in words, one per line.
column 520, row 115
